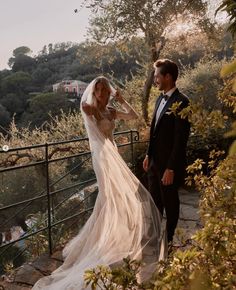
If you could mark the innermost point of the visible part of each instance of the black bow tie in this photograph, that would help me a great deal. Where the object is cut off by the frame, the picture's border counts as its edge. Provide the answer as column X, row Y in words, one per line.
column 163, row 96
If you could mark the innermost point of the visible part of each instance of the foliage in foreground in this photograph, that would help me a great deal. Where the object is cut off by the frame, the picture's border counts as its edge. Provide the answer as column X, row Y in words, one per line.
column 210, row 262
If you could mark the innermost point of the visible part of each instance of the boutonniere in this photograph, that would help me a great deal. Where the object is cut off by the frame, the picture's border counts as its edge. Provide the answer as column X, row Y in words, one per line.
column 175, row 108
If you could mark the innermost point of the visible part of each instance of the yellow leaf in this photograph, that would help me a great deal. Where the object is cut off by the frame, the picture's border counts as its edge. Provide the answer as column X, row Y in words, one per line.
column 232, row 150
column 228, row 69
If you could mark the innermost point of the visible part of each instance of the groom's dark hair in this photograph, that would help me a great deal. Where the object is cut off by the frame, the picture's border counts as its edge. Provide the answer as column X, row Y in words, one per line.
column 167, row 67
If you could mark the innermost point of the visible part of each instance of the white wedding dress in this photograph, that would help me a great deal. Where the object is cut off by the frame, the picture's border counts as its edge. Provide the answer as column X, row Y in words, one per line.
column 124, row 222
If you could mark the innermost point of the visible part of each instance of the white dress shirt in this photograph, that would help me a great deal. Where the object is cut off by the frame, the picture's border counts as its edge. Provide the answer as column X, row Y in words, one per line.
column 162, row 104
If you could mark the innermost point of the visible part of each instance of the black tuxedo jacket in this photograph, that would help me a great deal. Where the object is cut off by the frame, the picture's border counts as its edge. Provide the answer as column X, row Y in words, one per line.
column 168, row 139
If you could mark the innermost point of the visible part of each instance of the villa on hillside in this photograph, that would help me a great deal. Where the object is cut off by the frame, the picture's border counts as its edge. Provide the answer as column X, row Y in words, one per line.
column 74, row 88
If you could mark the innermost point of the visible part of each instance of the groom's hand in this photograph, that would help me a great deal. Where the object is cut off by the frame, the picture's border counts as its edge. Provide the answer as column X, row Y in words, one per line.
column 145, row 163
column 168, row 177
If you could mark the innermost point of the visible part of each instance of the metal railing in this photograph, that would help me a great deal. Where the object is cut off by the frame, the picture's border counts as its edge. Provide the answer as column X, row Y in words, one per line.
column 49, row 192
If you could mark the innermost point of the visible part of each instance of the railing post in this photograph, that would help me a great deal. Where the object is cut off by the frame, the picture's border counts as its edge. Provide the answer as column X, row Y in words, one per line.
column 48, row 200
column 48, row 188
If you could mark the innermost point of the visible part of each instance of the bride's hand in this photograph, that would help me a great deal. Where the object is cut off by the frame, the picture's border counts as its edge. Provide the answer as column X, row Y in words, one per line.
column 88, row 109
column 118, row 96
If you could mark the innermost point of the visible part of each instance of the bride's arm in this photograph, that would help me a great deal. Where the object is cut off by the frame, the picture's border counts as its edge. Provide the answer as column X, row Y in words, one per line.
column 128, row 113
column 90, row 110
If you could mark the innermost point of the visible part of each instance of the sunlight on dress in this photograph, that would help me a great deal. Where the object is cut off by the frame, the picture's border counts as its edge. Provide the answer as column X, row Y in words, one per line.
column 124, row 222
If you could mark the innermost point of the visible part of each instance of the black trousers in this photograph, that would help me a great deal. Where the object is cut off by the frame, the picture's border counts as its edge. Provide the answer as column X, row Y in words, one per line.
column 166, row 198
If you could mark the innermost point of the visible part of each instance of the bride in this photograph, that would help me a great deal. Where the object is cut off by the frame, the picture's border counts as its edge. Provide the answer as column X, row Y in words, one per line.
column 125, row 221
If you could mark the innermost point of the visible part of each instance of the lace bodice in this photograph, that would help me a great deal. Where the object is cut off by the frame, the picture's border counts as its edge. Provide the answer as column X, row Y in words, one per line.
column 106, row 124
column 107, row 127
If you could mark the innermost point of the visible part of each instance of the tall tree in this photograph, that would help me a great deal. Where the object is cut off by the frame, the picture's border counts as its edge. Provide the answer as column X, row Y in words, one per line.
column 23, row 63
column 19, row 51
column 154, row 19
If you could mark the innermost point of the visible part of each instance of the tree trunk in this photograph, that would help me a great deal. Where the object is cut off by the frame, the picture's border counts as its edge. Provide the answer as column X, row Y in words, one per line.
column 155, row 53
column 146, row 93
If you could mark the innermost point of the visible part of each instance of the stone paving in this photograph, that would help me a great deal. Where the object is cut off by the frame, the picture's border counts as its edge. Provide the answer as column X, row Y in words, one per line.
column 26, row 275
column 189, row 221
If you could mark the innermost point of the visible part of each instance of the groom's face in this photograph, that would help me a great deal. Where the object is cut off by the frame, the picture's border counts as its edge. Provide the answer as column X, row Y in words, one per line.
column 160, row 80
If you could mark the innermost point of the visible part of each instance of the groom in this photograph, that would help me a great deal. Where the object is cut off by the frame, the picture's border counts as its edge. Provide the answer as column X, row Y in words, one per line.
column 166, row 156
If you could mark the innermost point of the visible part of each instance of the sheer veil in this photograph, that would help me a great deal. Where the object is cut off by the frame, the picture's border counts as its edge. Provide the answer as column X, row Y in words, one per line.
column 124, row 222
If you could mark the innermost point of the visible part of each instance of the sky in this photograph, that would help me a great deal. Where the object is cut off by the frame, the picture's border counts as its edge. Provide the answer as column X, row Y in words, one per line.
column 36, row 23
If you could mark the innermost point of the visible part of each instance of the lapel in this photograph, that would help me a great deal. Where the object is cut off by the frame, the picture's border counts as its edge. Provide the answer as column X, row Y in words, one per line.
column 154, row 113
column 168, row 104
